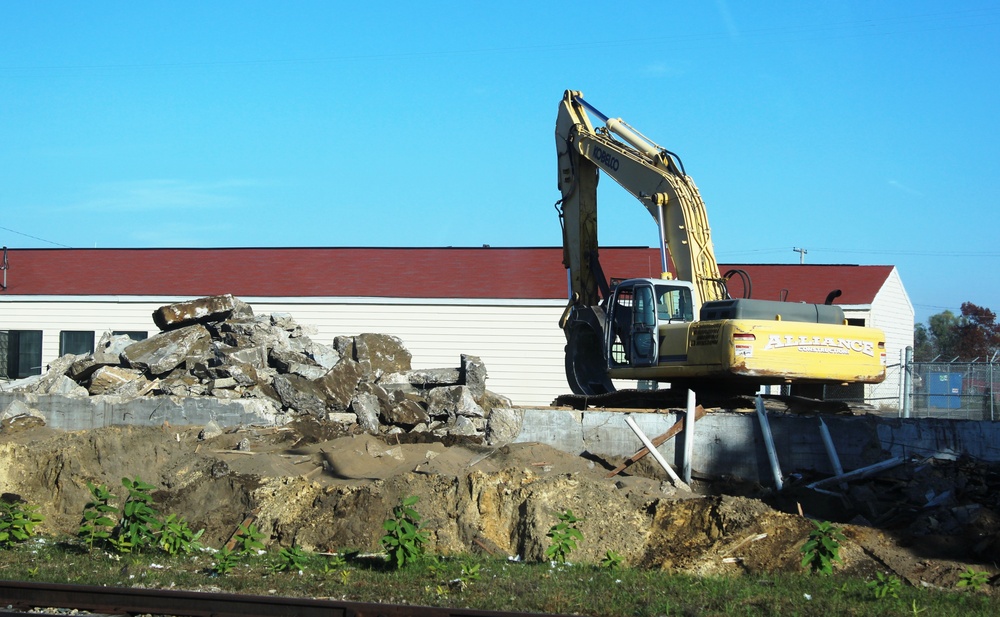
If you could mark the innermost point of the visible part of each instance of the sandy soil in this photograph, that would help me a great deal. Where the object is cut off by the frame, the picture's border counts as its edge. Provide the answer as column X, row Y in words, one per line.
column 326, row 490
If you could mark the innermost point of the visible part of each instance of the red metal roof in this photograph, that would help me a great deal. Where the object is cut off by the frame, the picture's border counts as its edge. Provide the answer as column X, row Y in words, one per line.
column 810, row 283
column 508, row 273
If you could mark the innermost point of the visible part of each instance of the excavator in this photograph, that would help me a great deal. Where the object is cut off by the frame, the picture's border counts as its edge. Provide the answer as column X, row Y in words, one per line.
column 683, row 328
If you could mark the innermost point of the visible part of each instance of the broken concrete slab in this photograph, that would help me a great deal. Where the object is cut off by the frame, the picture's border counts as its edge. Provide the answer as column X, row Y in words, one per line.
column 253, row 355
column 211, row 308
column 283, row 359
column 403, row 411
column 108, row 379
column 504, row 425
column 453, row 401
column 341, row 382
column 381, row 353
column 109, row 349
column 18, row 408
column 54, row 379
column 165, row 351
column 426, row 378
column 301, row 394
column 107, row 352
column 366, row 407
column 20, row 417
column 323, row 355
column 473, row 374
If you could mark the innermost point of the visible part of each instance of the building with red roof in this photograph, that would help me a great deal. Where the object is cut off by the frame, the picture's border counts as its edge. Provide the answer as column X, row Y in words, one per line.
column 501, row 304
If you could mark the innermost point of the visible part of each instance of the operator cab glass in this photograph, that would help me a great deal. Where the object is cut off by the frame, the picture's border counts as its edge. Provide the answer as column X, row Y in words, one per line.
column 673, row 303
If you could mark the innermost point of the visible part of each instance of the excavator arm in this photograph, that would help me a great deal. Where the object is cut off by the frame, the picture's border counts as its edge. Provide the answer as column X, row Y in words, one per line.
column 652, row 175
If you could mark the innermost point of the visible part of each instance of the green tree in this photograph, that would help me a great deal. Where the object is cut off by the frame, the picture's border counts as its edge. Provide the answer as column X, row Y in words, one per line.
column 944, row 332
column 973, row 335
column 924, row 348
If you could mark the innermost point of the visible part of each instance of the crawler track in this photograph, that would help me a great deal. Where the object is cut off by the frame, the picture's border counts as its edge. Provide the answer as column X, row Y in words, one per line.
column 22, row 596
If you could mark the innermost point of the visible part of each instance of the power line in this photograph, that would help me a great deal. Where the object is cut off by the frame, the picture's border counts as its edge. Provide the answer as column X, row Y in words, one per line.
column 21, row 233
column 874, row 252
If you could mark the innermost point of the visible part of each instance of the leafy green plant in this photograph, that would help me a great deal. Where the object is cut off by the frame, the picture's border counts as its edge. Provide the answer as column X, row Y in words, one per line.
column 248, row 540
column 98, row 516
column 225, row 561
column 612, row 560
column 470, row 574
column 404, row 540
column 139, row 523
column 291, row 559
column 435, row 565
column 822, row 548
column 565, row 535
column 176, row 537
column 972, row 579
column 17, row 522
column 885, row 585
column 333, row 563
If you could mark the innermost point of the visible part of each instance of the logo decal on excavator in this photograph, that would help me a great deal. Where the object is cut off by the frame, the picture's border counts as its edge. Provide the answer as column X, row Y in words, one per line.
column 818, row 344
column 606, row 159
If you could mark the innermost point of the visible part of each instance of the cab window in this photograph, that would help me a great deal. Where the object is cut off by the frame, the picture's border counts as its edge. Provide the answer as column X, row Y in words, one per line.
column 674, row 303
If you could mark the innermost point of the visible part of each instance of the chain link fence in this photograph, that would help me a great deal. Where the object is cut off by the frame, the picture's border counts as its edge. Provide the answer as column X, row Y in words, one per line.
column 956, row 390
column 959, row 390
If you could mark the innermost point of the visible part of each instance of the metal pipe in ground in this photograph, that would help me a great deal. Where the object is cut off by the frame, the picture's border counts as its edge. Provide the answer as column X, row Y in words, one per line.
column 653, row 451
column 772, row 454
column 907, row 381
column 688, row 444
column 831, row 451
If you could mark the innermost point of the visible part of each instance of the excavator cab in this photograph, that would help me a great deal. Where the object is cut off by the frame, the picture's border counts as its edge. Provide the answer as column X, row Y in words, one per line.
column 637, row 308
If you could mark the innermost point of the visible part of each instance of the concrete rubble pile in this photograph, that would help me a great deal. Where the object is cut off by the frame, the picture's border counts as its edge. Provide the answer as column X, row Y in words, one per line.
column 216, row 347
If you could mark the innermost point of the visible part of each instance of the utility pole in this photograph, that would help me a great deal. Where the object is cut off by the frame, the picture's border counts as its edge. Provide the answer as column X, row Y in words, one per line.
column 802, row 254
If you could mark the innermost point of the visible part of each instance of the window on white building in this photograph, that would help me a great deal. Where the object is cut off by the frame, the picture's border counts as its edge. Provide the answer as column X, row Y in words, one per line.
column 76, row 342
column 20, row 353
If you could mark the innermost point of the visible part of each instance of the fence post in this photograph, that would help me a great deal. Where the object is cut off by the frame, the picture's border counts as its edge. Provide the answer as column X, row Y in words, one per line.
column 990, row 394
column 907, row 381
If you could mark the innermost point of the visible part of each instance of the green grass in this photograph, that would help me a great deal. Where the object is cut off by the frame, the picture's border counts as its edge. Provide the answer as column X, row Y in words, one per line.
column 501, row 584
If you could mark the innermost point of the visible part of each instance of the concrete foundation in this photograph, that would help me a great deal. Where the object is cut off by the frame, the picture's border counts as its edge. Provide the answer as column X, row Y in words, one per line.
column 725, row 443
column 732, row 443
column 76, row 413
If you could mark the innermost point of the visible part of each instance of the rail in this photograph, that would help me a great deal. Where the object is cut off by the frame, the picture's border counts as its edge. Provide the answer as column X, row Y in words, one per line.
column 25, row 596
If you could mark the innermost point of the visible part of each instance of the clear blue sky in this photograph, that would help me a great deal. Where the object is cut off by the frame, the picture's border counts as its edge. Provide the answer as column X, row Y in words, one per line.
column 864, row 132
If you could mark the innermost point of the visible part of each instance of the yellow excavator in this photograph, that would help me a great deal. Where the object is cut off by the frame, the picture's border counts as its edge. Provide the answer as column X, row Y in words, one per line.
column 682, row 328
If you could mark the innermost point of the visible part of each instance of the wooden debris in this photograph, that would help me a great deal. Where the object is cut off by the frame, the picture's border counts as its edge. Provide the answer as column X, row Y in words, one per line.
column 699, row 413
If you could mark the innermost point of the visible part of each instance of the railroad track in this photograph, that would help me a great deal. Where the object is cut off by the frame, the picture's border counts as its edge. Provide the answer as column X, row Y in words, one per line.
column 19, row 596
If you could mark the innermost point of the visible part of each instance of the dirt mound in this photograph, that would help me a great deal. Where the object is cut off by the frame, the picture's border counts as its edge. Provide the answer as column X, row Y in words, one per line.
column 308, row 484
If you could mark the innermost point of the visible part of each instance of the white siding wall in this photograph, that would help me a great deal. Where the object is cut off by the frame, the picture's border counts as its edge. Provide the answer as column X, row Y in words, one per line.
column 892, row 312
column 520, row 342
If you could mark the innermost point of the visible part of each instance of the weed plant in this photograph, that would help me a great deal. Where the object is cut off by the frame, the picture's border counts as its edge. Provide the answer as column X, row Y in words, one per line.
column 564, row 537
column 822, row 548
column 99, row 516
column 404, row 540
column 972, row 579
column 17, row 522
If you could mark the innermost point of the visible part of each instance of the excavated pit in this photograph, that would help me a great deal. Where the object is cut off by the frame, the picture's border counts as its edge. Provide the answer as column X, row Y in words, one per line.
column 330, row 492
